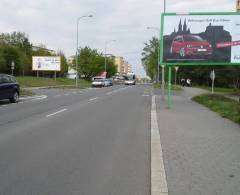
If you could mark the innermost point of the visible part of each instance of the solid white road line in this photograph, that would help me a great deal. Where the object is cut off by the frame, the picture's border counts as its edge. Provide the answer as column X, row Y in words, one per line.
column 158, row 174
column 60, row 111
column 33, row 97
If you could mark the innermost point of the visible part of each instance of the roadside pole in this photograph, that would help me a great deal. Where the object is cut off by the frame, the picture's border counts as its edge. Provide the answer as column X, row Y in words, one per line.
column 213, row 76
column 176, row 71
column 212, row 86
column 163, row 83
column 161, row 41
column 169, row 87
column 55, row 76
column 12, row 67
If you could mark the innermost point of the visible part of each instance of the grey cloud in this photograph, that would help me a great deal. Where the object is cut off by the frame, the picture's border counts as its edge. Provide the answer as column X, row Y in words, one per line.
column 53, row 23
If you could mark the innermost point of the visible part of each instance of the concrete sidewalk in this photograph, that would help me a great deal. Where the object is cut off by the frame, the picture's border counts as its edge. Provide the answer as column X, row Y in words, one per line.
column 201, row 150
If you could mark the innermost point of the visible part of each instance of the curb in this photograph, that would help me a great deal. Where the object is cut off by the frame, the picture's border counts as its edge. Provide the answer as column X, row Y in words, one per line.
column 158, row 174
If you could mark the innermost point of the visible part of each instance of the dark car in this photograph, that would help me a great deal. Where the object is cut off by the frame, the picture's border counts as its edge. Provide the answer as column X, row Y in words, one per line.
column 9, row 88
column 190, row 45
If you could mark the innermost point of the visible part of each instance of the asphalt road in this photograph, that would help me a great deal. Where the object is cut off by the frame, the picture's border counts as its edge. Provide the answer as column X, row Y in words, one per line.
column 71, row 142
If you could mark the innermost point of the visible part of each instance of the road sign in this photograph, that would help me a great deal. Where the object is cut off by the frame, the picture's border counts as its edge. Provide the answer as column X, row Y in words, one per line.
column 212, row 75
column 12, row 65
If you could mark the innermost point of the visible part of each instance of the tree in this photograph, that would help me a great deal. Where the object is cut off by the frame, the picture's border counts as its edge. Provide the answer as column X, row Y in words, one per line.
column 15, row 48
column 64, row 64
column 150, row 57
column 91, row 63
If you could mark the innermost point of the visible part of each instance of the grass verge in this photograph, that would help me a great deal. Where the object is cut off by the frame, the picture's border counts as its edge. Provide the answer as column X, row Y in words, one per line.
column 24, row 92
column 174, row 87
column 230, row 91
column 225, row 107
column 43, row 82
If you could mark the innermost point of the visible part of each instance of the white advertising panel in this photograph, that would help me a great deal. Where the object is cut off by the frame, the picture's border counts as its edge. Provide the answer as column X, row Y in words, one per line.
column 201, row 38
column 46, row 63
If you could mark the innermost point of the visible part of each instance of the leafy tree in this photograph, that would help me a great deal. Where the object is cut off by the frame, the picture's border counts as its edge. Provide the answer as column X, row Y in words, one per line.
column 91, row 63
column 150, row 57
column 64, row 64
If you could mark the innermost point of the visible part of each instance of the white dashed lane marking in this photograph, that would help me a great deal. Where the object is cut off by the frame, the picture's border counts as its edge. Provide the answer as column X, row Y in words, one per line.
column 92, row 99
column 55, row 113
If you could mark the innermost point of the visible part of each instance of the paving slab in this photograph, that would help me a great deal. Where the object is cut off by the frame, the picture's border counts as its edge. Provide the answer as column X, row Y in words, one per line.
column 201, row 150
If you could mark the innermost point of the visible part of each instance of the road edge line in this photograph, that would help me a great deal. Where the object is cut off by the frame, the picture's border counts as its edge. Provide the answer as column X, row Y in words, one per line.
column 158, row 174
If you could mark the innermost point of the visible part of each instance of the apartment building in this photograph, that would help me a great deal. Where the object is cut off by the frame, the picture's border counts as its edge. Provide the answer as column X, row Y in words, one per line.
column 238, row 6
column 123, row 67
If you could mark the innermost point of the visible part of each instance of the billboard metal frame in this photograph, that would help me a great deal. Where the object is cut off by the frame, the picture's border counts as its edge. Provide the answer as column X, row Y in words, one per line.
column 191, row 63
column 170, row 65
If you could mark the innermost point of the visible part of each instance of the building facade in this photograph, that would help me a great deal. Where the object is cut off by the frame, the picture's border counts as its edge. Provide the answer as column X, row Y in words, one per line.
column 123, row 67
column 238, row 6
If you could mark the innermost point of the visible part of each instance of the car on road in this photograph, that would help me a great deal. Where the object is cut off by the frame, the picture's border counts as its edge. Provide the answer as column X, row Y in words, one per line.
column 98, row 82
column 190, row 45
column 130, row 79
column 9, row 88
column 108, row 82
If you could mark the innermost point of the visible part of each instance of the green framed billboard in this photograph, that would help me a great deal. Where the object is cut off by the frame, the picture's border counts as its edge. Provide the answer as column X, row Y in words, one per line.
column 200, row 38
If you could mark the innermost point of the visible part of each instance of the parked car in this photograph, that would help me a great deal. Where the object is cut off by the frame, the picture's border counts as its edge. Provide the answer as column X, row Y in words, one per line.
column 98, row 82
column 190, row 45
column 9, row 88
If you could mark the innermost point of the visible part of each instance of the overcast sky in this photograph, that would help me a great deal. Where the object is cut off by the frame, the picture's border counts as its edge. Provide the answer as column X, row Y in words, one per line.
column 53, row 22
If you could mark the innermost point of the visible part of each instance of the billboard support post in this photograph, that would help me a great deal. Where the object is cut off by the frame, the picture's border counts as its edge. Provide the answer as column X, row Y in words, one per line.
column 37, row 74
column 163, row 83
column 55, row 76
column 169, row 87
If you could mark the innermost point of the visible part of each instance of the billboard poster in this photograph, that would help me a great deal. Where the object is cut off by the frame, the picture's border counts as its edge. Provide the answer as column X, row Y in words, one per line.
column 46, row 63
column 203, row 38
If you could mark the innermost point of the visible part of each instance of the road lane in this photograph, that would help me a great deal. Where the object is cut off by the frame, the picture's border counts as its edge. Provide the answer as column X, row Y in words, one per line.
column 10, row 113
column 101, row 147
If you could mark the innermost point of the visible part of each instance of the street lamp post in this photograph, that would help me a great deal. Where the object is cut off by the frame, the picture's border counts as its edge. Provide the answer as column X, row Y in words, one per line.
column 105, row 64
column 79, row 18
